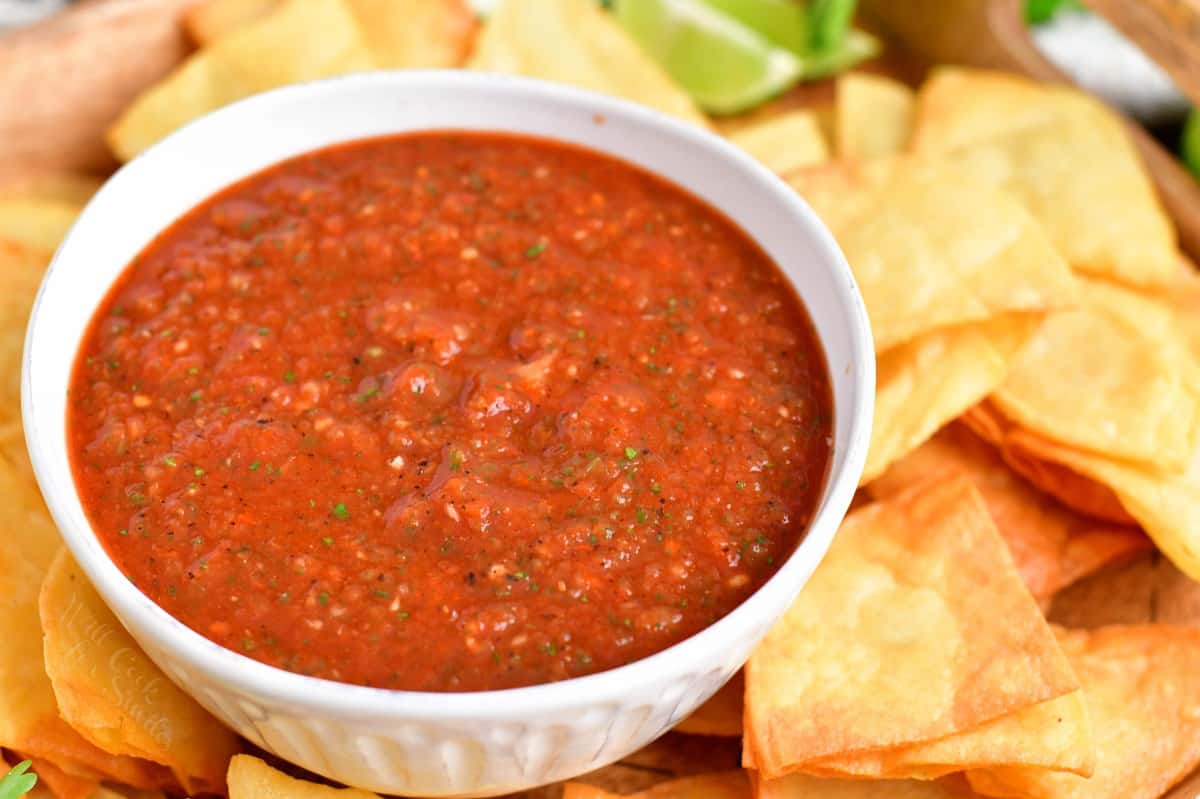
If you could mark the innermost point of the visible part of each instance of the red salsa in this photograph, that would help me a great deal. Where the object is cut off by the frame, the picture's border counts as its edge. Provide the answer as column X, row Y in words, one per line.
column 450, row 412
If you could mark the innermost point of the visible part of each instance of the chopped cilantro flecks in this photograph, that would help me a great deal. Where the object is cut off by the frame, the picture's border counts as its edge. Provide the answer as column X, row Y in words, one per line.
column 339, row 510
column 630, row 454
column 535, row 250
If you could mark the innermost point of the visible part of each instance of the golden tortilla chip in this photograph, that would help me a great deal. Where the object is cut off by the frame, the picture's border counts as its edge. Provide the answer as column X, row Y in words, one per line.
column 916, row 626
column 416, row 34
column 929, row 249
column 1144, row 698
column 29, row 718
column 722, row 785
column 577, row 42
column 874, row 115
column 803, row 786
column 73, row 188
column 1051, row 546
column 112, row 694
column 924, row 384
column 1054, row 735
column 1062, row 153
column 1110, row 377
column 721, row 715
column 399, row 33
column 21, row 271
column 1167, row 506
column 37, row 224
column 208, row 21
column 251, row 778
column 62, row 785
column 784, row 143
column 12, row 448
column 298, row 41
column 1081, row 494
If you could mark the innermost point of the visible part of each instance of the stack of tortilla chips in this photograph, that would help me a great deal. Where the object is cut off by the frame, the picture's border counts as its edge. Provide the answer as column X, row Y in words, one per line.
column 1037, row 336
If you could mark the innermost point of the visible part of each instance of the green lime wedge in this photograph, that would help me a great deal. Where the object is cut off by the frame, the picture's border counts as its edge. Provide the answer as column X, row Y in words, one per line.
column 1189, row 148
column 781, row 22
column 858, row 46
column 724, row 65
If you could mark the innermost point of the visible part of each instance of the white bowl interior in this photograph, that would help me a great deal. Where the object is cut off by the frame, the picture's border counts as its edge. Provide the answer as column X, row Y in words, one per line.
column 157, row 188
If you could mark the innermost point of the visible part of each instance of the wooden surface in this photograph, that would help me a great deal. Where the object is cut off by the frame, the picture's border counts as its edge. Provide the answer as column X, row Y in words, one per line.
column 64, row 80
column 1166, row 30
column 992, row 34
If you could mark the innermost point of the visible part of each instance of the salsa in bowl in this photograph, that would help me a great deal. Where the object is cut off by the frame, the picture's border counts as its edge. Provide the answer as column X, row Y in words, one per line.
column 527, row 406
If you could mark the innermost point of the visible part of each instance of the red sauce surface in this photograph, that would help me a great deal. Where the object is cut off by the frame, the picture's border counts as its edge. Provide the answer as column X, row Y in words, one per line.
column 450, row 412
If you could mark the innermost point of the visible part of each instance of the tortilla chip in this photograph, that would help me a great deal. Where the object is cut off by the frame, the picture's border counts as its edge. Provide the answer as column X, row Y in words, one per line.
column 721, row 715
column 72, row 188
column 874, row 115
column 1053, row 735
column 929, row 249
column 251, row 778
column 61, row 784
column 1051, row 546
column 37, row 224
column 21, row 271
column 29, row 718
column 416, row 34
column 785, row 143
column 112, row 694
column 916, row 626
column 1110, row 377
column 1081, row 494
column 210, row 20
column 1062, row 153
column 803, row 786
column 298, row 41
column 576, row 42
column 924, row 384
column 722, row 785
column 1142, row 692
column 12, row 448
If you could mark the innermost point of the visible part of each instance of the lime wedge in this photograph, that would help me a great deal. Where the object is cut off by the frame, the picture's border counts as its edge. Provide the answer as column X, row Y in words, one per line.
column 724, row 65
column 858, row 46
column 781, row 22
column 1190, row 147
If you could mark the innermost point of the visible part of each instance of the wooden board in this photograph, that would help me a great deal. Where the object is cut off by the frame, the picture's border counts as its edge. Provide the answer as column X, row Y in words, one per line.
column 62, row 82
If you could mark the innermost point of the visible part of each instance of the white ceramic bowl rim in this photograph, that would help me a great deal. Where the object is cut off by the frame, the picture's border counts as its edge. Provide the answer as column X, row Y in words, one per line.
column 343, row 698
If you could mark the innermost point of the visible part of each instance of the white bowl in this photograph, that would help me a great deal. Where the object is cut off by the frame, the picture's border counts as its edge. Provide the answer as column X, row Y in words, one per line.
column 437, row 744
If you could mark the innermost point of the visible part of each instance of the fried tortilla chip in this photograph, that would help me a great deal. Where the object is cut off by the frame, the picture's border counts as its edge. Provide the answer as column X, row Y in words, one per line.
column 803, row 786
column 416, row 34
column 929, row 249
column 63, row 785
column 1053, row 735
column 37, row 224
column 722, row 785
column 21, row 270
column 1111, row 377
column 251, row 778
column 29, row 718
column 1167, row 506
column 1062, row 153
column 208, row 21
column 73, row 188
column 721, row 714
column 785, row 143
column 12, row 448
column 874, row 115
column 1051, row 546
column 1142, row 693
column 112, row 694
column 1081, row 494
column 297, row 41
column 916, row 626
column 924, row 384
column 576, row 42
column 399, row 33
